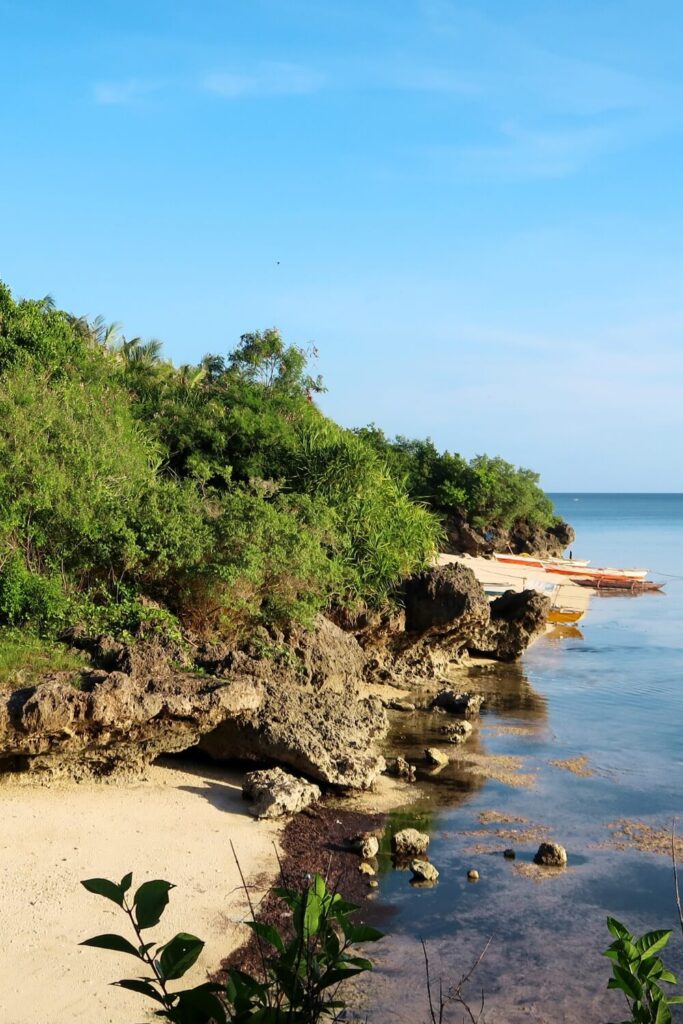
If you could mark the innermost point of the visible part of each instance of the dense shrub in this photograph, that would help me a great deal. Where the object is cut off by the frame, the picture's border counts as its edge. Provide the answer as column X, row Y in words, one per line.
column 218, row 492
column 489, row 492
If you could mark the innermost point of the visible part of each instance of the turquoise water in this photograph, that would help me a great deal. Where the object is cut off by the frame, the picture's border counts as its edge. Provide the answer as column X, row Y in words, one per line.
column 612, row 694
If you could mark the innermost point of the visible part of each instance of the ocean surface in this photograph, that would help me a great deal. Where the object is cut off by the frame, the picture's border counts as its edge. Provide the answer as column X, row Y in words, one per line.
column 611, row 692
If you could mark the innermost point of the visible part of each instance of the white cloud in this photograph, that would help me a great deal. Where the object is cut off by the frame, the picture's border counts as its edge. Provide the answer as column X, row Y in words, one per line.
column 267, row 78
column 111, row 94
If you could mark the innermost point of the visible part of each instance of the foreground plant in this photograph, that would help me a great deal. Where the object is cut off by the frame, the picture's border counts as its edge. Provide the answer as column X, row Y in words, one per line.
column 639, row 973
column 300, row 978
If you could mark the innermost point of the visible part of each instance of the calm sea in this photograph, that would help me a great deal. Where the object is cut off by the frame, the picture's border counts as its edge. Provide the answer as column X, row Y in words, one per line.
column 612, row 693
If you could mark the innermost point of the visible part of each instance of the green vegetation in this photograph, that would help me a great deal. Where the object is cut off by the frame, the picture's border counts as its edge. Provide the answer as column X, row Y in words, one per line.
column 300, row 977
column 215, row 497
column 24, row 658
column 489, row 492
column 639, row 973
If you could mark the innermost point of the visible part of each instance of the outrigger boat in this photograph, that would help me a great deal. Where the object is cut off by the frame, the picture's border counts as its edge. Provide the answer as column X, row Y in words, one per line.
column 556, row 614
column 538, row 563
column 634, row 586
column 596, row 574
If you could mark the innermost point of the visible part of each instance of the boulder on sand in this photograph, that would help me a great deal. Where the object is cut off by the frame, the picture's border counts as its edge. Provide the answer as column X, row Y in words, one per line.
column 275, row 793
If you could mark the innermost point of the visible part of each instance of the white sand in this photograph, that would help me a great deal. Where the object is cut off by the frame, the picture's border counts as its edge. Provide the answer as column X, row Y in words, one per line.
column 177, row 825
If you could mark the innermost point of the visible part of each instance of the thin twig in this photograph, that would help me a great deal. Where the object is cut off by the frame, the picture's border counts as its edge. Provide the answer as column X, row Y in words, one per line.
column 675, row 867
column 429, row 983
column 251, row 911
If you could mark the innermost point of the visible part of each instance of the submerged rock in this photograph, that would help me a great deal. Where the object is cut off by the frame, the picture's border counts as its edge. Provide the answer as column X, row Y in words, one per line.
column 473, row 875
column 551, row 855
column 277, row 794
column 409, row 842
column 457, row 732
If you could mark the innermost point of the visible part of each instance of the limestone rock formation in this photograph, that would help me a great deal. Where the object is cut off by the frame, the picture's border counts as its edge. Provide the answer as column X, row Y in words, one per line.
column 115, row 722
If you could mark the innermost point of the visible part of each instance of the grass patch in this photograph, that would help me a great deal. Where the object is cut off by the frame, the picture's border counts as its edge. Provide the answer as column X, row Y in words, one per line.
column 24, row 658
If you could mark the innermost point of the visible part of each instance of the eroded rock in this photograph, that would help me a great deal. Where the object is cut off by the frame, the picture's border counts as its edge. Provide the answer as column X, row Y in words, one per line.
column 423, row 871
column 458, row 703
column 551, row 855
column 315, row 733
column 457, row 732
column 435, row 756
column 409, row 842
column 275, row 793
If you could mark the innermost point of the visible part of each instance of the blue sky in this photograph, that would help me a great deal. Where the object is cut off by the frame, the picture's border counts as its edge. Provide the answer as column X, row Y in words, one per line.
column 475, row 210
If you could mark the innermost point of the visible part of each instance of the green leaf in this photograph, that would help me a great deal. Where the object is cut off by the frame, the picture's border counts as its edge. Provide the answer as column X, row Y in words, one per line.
column 114, row 942
column 652, row 942
column 663, row 1015
column 150, row 901
column 145, row 988
column 126, row 882
column 268, row 933
column 626, row 982
column 201, row 1005
column 103, row 887
column 618, row 930
column 312, row 914
column 178, row 955
column 669, row 977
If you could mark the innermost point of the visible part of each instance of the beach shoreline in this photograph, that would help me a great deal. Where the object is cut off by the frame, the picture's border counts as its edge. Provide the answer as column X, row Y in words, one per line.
column 176, row 823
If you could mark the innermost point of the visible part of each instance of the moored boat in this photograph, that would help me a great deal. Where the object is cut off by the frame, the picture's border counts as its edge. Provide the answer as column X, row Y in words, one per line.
column 594, row 573
column 634, row 586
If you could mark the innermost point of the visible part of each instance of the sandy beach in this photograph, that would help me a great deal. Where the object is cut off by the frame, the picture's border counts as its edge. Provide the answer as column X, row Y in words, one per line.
column 176, row 824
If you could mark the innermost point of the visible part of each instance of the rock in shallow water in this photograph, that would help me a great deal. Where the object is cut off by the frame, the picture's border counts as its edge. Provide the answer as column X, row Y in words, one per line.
column 277, row 794
column 409, row 842
column 367, row 845
column 457, row 732
column 466, row 703
column 435, row 756
column 423, row 871
column 551, row 855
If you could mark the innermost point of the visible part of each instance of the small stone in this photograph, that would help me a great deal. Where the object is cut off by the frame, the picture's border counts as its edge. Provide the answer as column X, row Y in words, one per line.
column 509, row 854
column 367, row 845
column 400, row 705
column 473, row 875
column 409, row 842
column 366, row 869
column 373, row 883
column 401, row 769
column 436, row 756
column 423, row 871
column 551, row 855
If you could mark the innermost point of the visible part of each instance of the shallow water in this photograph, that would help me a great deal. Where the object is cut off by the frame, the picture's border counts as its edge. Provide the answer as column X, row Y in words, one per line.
column 613, row 694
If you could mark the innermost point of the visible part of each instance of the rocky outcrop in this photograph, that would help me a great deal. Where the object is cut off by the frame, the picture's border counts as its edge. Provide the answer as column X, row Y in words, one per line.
column 115, row 722
column 313, row 732
column 447, row 616
column 277, row 794
column 284, row 710
column 517, row 619
column 457, row 703
column 522, row 538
